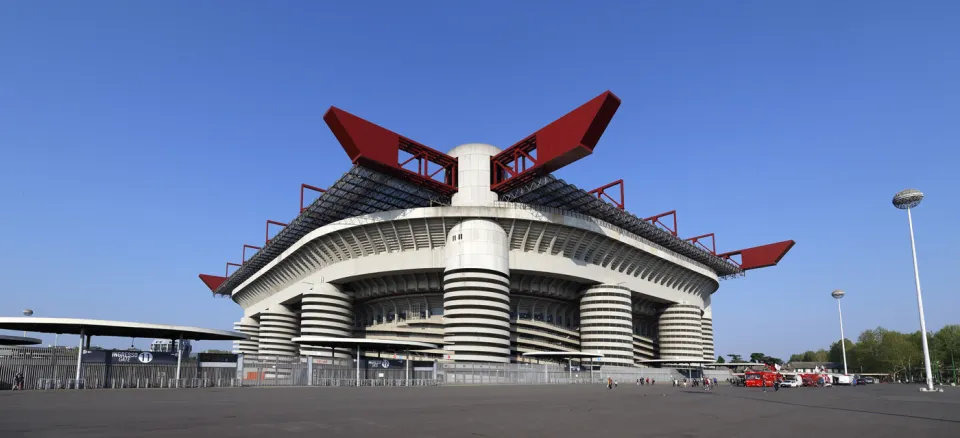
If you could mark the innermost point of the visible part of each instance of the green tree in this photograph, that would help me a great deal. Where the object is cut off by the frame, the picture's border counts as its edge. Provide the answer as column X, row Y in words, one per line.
column 946, row 342
column 757, row 357
column 735, row 358
column 720, row 359
column 797, row 357
column 835, row 354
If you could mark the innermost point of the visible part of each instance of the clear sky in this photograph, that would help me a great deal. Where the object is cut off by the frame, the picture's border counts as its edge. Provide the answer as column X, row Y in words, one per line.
column 145, row 142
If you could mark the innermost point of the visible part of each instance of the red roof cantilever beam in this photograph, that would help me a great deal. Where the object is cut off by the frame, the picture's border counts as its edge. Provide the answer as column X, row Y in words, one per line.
column 713, row 242
column 373, row 146
column 212, row 281
column 760, row 256
column 656, row 221
column 554, row 146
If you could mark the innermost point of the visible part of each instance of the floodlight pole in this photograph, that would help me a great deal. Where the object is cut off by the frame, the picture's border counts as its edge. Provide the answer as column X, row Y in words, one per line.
column 358, row 365
column 923, row 324
column 406, row 358
column 843, row 343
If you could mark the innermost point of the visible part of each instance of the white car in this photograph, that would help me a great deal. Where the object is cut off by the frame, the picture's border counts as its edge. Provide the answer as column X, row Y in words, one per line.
column 789, row 382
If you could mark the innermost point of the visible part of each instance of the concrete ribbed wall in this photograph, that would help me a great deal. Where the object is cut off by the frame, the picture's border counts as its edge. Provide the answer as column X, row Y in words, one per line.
column 706, row 328
column 278, row 326
column 681, row 333
column 251, row 328
column 476, row 292
column 606, row 324
column 326, row 311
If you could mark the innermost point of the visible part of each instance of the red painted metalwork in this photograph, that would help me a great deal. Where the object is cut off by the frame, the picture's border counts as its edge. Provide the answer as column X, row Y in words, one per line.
column 554, row 146
column 243, row 257
column 713, row 242
column 602, row 191
column 760, row 256
column 656, row 221
column 226, row 272
column 308, row 186
column 212, row 281
column 373, row 146
column 268, row 228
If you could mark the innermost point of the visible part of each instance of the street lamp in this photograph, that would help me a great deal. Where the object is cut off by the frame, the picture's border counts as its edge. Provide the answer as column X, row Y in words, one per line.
column 843, row 344
column 907, row 200
column 27, row 312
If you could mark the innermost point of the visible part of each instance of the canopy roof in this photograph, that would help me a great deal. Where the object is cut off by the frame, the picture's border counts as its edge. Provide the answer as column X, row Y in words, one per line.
column 564, row 354
column 96, row 327
column 368, row 343
column 18, row 340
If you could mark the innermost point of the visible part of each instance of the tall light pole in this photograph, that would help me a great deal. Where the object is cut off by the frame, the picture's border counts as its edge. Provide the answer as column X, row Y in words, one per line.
column 27, row 312
column 907, row 200
column 843, row 344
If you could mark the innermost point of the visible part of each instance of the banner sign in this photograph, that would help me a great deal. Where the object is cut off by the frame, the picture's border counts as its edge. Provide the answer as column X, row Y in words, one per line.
column 386, row 364
column 217, row 357
column 120, row 357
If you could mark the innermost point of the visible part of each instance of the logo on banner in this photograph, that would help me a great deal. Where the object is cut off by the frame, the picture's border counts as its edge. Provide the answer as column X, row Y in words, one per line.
column 385, row 363
column 145, row 357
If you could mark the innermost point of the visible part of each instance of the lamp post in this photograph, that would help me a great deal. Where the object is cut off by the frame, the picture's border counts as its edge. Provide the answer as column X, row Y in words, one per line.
column 907, row 200
column 27, row 312
column 843, row 344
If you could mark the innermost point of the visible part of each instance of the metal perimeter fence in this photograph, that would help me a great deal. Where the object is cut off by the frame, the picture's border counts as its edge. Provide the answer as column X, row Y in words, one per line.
column 55, row 368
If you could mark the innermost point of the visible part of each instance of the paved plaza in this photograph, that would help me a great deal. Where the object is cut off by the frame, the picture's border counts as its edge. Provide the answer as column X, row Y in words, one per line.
column 558, row 411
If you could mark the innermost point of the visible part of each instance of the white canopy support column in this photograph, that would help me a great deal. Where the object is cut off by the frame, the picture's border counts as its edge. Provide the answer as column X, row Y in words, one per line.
column 358, row 365
column 406, row 358
column 179, row 357
column 80, row 356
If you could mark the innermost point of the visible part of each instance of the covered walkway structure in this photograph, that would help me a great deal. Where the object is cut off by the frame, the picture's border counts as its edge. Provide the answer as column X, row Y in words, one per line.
column 87, row 328
column 370, row 344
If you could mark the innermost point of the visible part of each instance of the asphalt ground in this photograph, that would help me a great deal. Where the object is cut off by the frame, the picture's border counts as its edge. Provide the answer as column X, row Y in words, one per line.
column 555, row 411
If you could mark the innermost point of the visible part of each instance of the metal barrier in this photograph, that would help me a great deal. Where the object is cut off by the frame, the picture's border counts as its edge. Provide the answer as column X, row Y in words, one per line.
column 54, row 368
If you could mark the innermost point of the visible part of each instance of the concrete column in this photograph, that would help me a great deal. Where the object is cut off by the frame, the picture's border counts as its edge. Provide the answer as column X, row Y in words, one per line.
column 476, row 292
column 326, row 311
column 681, row 332
column 606, row 323
column 278, row 326
column 706, row 329
column 251, row 328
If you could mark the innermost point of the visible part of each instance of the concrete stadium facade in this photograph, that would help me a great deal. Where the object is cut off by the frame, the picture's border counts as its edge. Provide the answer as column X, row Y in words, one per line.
column 486, row 278
column 490, row 280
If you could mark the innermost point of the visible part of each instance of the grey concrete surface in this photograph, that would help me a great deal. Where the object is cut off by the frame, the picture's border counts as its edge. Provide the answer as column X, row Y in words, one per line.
column 874, row 411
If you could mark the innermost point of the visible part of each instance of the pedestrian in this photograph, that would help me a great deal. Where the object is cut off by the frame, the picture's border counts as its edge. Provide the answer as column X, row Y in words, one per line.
column 609, row 382
column 763, row 383
column 776, row 385
column 616, row 383
column 714, row 381
column 18, row 381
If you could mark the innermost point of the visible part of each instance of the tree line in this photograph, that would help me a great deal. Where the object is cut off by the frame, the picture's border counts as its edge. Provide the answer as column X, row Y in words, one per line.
column 899, row 354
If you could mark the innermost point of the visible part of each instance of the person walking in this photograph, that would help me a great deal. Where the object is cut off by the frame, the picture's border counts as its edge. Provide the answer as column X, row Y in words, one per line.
column 18, row 381
column 609, row 382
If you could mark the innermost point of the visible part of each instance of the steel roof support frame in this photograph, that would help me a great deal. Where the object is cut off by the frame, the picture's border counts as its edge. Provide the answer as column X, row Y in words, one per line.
column 267, row 233
column 226, row 271
column 307, row 186
column 656, row 221
column 243, row 254
column 601, row 192
column 713, row 242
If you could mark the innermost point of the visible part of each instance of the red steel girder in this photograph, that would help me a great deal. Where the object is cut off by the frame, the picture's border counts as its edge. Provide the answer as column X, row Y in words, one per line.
column 601, row 192
column 306, row 187
column 558, row 144
column 226, row 272
column 656, row 221
column 713, row 242
column 212, row 281
column 269, row 222
column 373, row 146
column 760, row 256
column 243, row 256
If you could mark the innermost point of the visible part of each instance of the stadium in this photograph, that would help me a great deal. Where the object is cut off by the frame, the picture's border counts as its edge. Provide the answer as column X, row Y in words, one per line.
column 482, row 252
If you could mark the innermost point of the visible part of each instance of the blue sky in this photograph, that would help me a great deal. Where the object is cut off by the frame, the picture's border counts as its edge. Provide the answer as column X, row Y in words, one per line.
column 143, row 143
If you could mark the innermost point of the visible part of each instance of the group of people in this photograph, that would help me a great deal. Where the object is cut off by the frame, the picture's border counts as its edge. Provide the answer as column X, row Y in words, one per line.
column 640, row 382
column 706, row 382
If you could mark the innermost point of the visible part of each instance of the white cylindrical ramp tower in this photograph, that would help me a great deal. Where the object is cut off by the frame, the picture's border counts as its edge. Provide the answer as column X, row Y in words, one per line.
column 251, row 328
column 326, row 311
column 681, row 332
column 476, row 292
column 278, row 326
column 706, row 328
column 606, row 323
